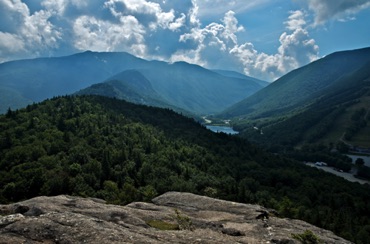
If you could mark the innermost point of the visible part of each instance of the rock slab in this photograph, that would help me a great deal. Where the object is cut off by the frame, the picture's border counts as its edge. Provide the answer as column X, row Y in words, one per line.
column 199, row 219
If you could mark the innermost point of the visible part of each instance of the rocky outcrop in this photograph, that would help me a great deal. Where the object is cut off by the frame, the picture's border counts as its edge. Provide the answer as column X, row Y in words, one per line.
column 172, row 218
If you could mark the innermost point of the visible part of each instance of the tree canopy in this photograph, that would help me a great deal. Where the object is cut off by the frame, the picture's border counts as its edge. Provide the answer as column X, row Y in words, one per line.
column 111, row 149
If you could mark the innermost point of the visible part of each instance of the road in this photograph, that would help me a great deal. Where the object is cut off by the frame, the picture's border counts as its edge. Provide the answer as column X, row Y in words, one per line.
column 347, row 176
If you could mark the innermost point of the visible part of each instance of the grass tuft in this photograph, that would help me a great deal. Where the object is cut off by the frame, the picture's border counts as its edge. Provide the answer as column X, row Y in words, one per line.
column 162, row 225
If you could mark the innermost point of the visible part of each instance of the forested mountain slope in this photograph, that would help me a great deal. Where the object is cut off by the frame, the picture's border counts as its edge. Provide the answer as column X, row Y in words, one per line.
column 298, row 87
column 182, row 85
column 108, row 148
column 339, row 114
column 330, row 106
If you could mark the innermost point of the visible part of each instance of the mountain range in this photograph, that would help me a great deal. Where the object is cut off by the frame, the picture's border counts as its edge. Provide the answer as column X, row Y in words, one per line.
column 175, row 85
column 325, row 101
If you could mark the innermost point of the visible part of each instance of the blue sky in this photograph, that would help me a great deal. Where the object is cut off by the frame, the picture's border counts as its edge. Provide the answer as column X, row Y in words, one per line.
column 261, row 38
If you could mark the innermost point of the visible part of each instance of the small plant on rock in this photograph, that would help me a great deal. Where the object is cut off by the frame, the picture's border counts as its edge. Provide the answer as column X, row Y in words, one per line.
column 307, row 237
column 183, row 221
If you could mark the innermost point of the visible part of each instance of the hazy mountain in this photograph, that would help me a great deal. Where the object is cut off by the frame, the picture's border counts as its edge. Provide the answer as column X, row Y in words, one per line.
column 129, row 85
column 196, row 89
column 181, row 85
column 235, row 74
column 300, row 86
column 34, row 80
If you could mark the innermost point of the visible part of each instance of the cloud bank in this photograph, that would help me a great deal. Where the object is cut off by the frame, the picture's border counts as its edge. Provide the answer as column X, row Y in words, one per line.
column 296, row 48
column 337, row 10
column 165, row 30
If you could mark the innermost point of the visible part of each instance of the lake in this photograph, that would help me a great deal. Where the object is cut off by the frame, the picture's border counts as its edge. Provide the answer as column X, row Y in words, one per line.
column 224, row 129
column 365, row 158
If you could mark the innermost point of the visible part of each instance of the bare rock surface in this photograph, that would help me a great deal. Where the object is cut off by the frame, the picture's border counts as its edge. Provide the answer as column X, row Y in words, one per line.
column 198, row 219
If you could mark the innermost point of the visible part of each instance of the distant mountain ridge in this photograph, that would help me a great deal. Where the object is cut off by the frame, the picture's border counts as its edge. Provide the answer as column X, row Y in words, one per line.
column 182, row 85
column 132, row 86
column 235, row 74
column 136, row 89
column 34, row 80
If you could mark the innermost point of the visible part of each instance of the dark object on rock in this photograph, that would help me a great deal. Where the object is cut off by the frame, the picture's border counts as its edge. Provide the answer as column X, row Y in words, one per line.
column 34, row 211
column 264, row 214
column 232, row 232
column 282, row 241
column 21, row 209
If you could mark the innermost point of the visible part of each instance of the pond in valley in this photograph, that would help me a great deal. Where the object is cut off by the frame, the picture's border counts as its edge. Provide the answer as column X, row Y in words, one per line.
column 224, row 129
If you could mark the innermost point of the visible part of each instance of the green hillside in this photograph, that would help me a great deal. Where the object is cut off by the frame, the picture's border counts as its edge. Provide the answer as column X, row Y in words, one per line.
column 327, row 115
column 337, row 115
column 111, row 149
column 298, row 87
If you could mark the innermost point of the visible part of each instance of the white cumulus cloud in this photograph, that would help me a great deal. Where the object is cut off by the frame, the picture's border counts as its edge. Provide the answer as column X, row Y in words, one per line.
column 209, row 40
column 9, row 45
column 100, row 35
column 160, row 18
column 295, row 20
column 296, row 49
column 217, row 45
column 23, row 33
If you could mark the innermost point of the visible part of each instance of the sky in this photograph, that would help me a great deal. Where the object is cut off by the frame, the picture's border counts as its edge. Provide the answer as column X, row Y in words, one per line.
column 260, row 38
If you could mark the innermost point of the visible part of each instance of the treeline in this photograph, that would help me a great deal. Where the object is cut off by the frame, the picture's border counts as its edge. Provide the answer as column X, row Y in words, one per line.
column 102, row 147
